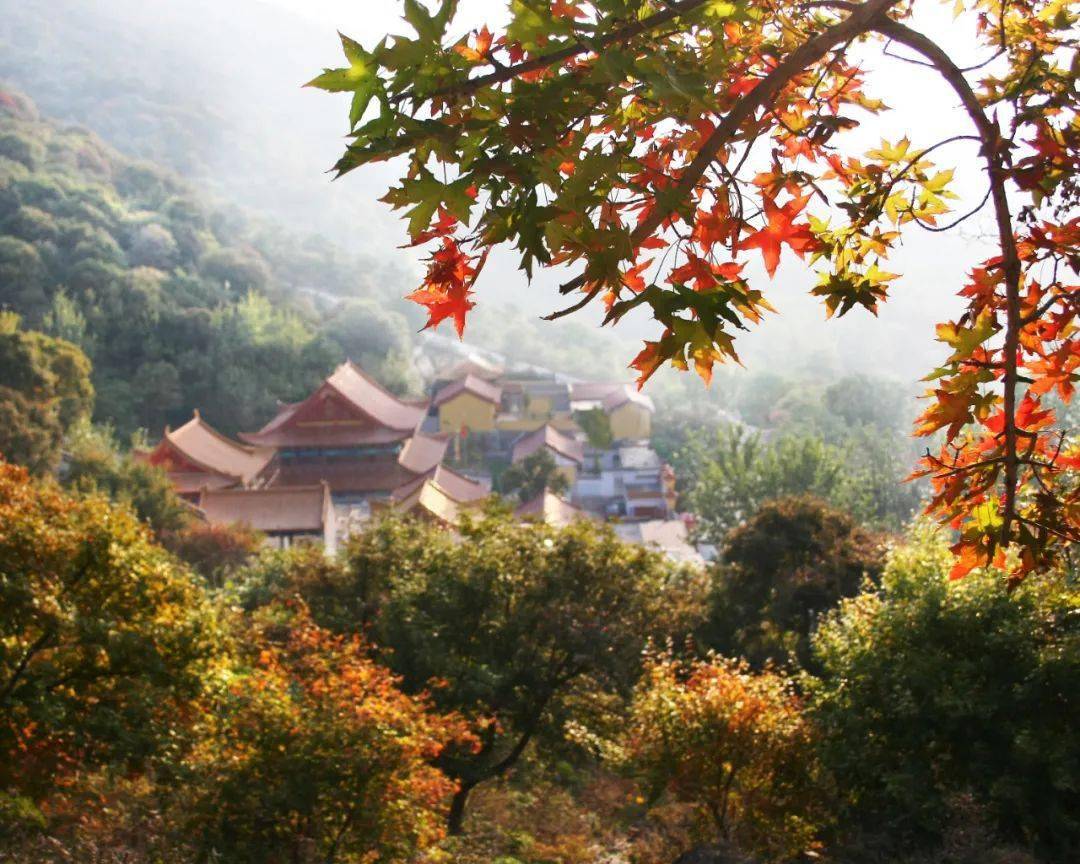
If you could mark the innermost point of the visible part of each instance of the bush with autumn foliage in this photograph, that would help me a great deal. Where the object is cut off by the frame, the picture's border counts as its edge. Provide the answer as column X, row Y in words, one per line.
column 523, row 628
column 141, row 719
column 313, row 753
column 104, row 641
column 735, row 747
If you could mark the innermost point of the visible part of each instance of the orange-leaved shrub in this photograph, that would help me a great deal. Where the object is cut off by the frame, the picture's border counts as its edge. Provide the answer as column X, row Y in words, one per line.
column 734, row 746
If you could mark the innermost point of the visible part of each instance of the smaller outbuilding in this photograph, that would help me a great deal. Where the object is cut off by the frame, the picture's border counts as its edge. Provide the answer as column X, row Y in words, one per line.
column 568, row 453
column 287, row 515
column 470, row 403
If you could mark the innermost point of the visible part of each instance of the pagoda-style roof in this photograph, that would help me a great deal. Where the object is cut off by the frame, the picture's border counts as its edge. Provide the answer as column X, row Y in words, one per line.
column 592, row 391
column 285, row 510
column 440, row 495
column 197, row 455
column 348, row 409
column 456, row 486
column 471, row 384
column 551, row 438
column 429, row 501
column 422, row 453
column 551, row 510
column 627, row 393
column 473, row 365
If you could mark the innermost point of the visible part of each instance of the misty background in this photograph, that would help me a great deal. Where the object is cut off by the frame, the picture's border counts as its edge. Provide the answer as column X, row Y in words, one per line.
column 212, row 91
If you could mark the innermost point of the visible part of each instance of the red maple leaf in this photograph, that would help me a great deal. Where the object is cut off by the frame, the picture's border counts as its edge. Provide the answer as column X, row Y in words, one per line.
column 441, row 304
column 781, row 229
column 647, row 361
column 442, row 227
column 632, row 278
column 713, row 226
column 448, row 285
column 566, row 9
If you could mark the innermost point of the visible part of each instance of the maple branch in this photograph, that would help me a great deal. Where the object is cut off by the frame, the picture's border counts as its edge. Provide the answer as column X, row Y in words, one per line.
column 860, row 21
column 508, row 73
column 993, row 145
column 959, row 219
column 1036, row 314
column 1064, row 535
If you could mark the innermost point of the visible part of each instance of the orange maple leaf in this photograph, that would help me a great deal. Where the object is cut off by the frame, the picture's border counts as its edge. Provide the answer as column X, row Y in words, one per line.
column 647, row 362
column 632, row 278
column 968, row 556
column 480, row 49
column 781, row 229
column 442, row 304
column 714, row 226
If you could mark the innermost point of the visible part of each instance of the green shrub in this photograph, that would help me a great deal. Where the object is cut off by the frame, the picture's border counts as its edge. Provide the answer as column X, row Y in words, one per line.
column 933, row 690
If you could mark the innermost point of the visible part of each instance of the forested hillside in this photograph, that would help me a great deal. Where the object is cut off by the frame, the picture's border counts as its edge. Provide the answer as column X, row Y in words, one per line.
column 178, row 303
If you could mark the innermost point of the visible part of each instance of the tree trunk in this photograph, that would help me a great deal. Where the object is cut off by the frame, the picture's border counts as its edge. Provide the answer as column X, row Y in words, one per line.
column 455, row 822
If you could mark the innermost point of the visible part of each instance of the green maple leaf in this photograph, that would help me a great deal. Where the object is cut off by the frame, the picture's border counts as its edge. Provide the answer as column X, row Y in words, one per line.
column 429, row 27
column 427, row 194
column 360, row 78
column 964, row 340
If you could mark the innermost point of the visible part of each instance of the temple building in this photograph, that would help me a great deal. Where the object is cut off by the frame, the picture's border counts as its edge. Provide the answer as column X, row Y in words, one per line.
column 322, row 467
column 196, row 456
column 353, row 435
column 550, row 509
column 567, row 452
column 469, row 403
column 287, row 515
column 440, row 496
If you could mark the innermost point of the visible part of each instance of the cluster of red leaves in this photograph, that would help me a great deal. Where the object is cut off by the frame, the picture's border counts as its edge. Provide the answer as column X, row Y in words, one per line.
column 965, row 403
column 451, row 273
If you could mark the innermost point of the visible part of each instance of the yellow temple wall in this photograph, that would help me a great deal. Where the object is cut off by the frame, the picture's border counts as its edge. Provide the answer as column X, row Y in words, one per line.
column 466, row 410
column 630, row 421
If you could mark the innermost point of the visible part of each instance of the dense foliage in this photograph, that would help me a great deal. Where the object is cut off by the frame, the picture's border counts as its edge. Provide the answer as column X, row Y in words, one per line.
column 178, row 304
column 94, row 462
column 735, row 745
column 933, row 691
column 792, row 561
column 312, row 753
column 142, row 720
column 510, row 626
column 45, row 391
column 104, row 641
column 729, row 474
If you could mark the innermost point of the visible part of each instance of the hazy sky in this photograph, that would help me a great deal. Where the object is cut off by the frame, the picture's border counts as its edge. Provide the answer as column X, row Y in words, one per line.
column 373, row 18
column 933, row 265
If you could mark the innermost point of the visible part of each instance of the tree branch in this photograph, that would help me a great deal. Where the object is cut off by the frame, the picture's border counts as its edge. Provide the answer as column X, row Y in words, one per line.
column 810, row 52
column 993, row 144
column 509, row 73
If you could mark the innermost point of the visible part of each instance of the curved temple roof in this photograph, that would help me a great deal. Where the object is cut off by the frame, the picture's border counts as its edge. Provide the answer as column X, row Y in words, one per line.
column 478, row 387
column 391, row 417
column 201, row 444
column 553, row 439
column 551, row 510
column 290, row 509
